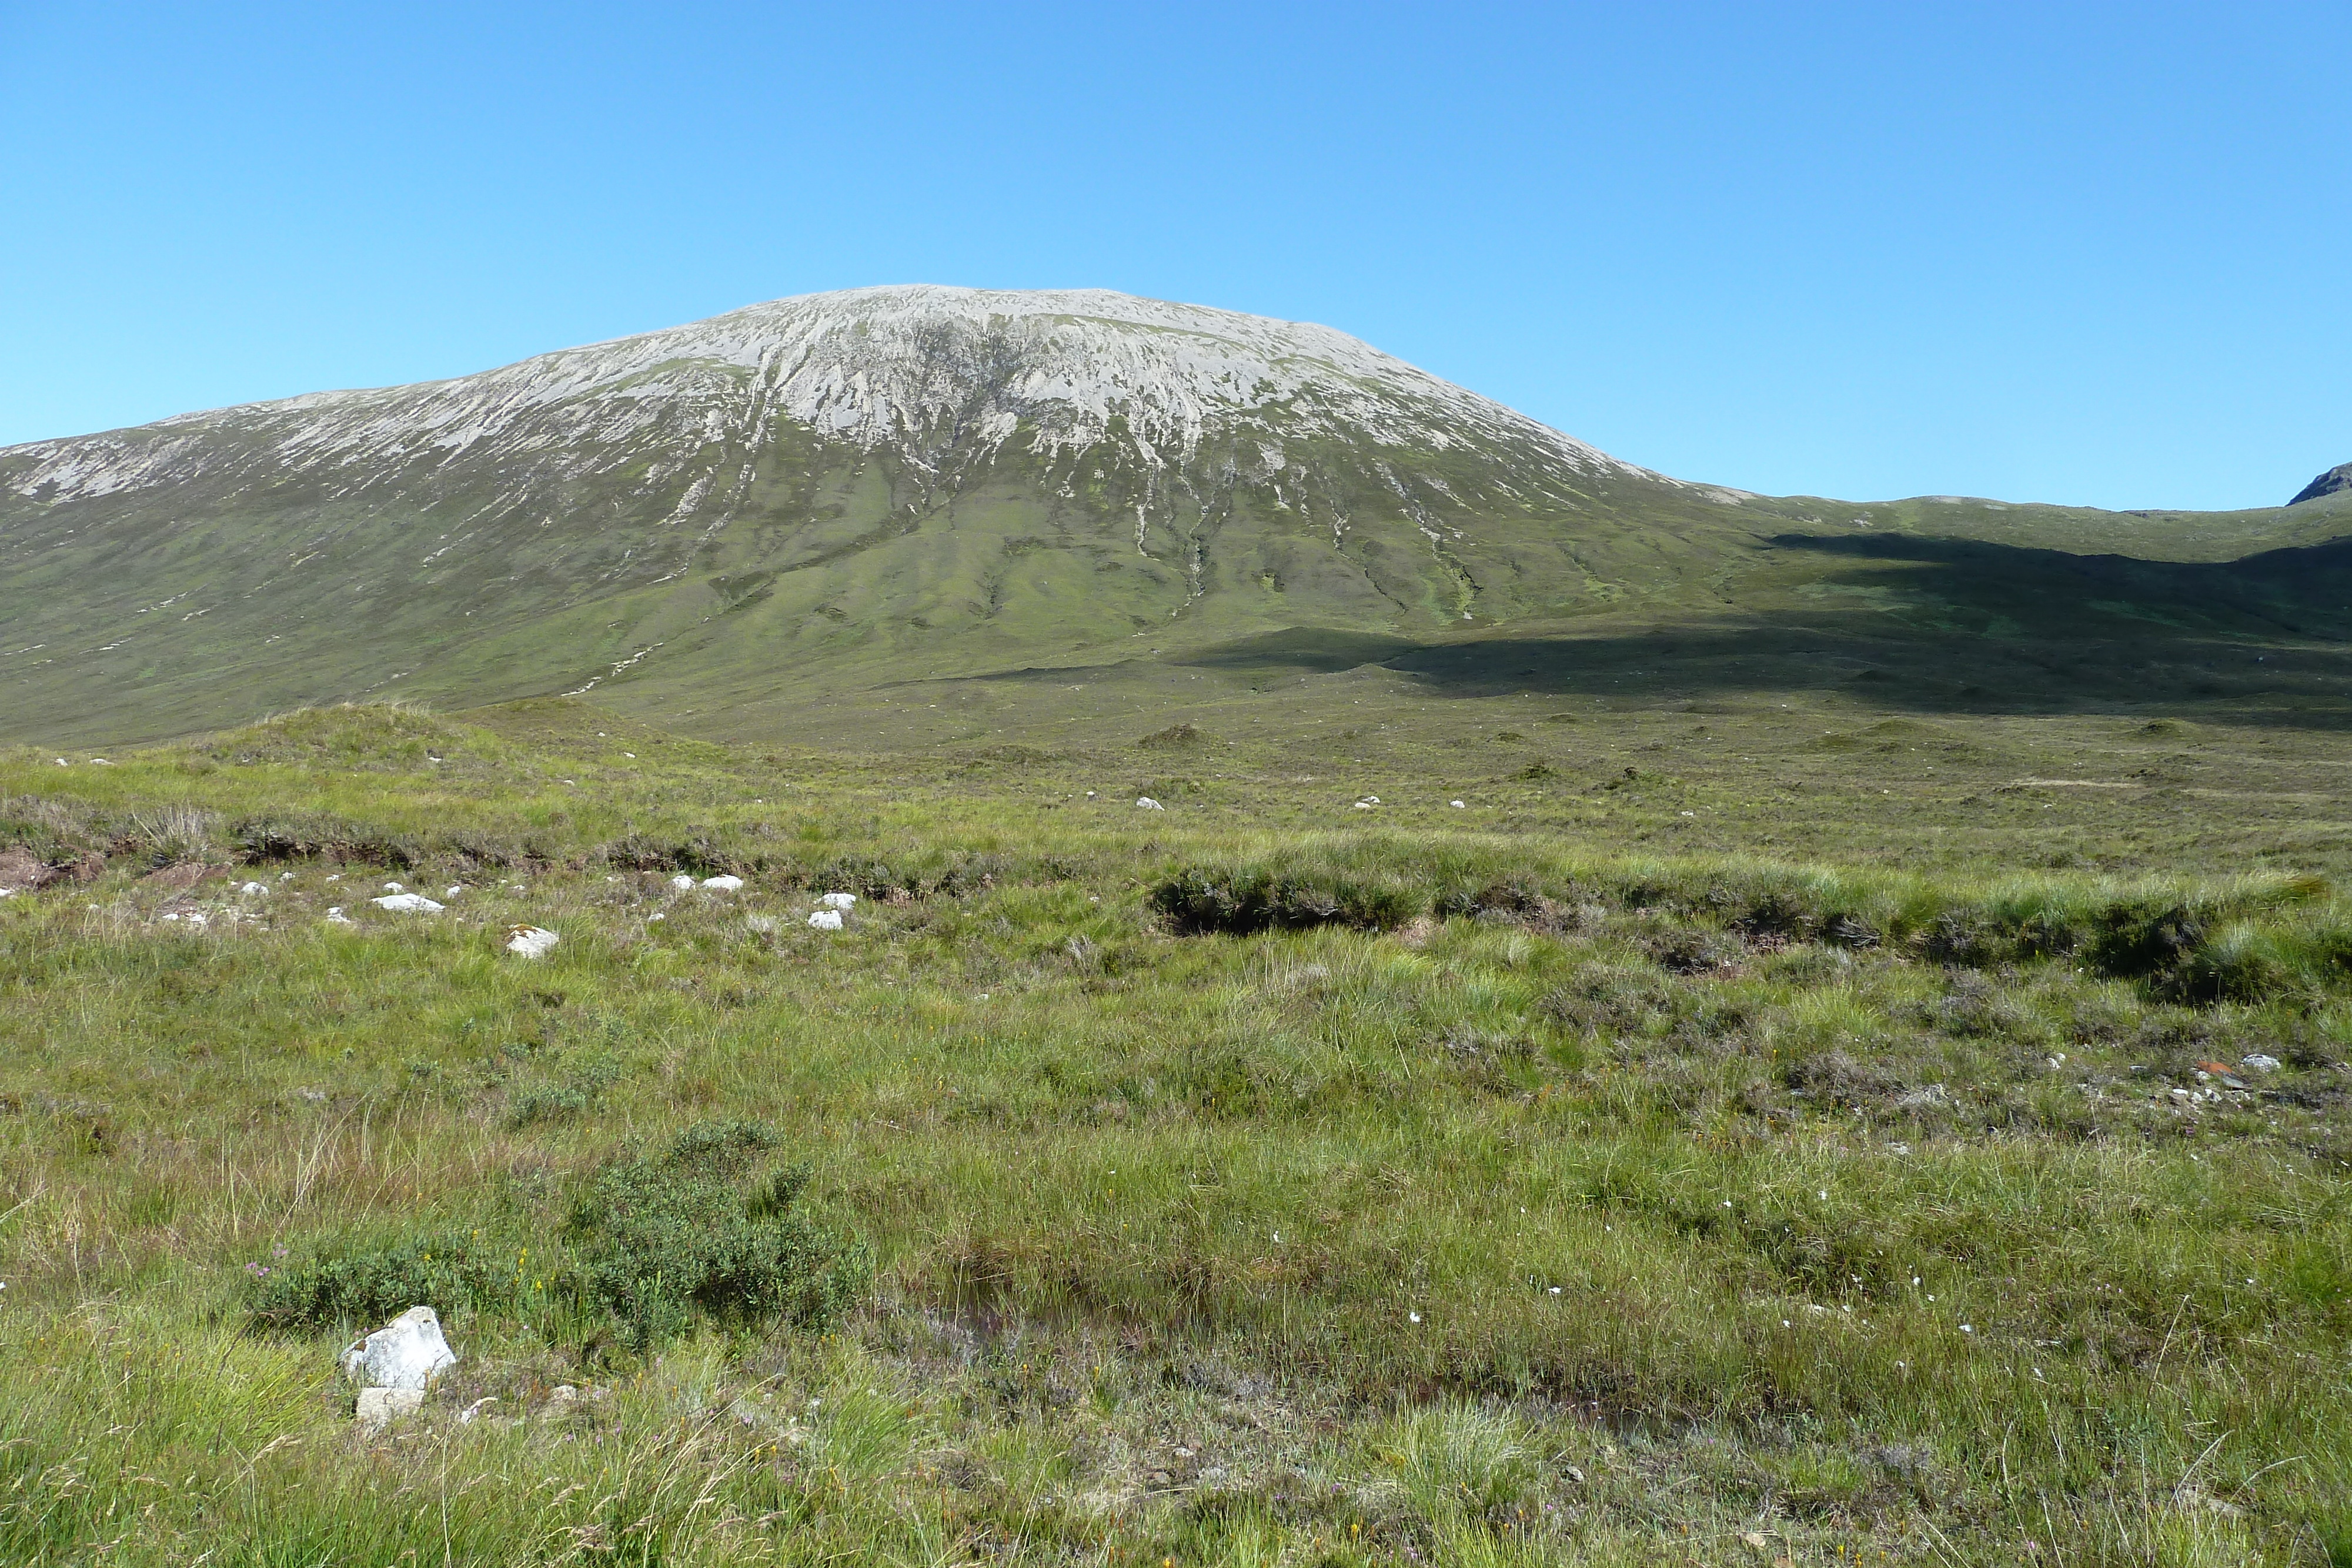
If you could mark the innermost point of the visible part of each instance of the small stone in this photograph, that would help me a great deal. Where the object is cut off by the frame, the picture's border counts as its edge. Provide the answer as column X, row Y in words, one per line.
column 839, row 900
column 406, row 1353
column 564, row 1398
column 682, row 882
column 530, row 941
column 722, row 884
column 380, row 1408
column 1147, row 803
column 826, row 920
column 2258, row 1062
column 407, row 903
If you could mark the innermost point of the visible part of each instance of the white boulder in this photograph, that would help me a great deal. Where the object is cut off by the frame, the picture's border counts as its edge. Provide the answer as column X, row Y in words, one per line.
column 406, row 1353
column 826, row 920
column 838, row 900
column 380, row 1408
column 407, row 903
column 530, row 941
column 722, row 884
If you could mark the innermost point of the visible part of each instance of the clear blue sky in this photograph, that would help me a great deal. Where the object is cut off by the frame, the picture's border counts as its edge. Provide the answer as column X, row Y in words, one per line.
column 2084, row 253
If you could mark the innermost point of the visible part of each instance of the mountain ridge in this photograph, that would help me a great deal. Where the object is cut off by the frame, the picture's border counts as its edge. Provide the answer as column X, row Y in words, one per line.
column 2335, row 481
column 820, row 494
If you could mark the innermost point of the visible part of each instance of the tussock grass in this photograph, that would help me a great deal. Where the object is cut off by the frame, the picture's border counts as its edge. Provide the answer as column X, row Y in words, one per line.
column 1582, row 1207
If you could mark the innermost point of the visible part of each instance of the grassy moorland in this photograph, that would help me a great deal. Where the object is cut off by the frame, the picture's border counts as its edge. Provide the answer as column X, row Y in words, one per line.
column 1738, row 1132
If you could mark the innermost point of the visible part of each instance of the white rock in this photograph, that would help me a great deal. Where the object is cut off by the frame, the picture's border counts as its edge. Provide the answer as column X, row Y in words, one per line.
column 681, row 882
column 452, row 892
column 1458, row 805
column 530, row 941
column 1149, row 804
column 2258, row 1062
column 722, row 883
column 380, row 1408
column 337, row 917
column 839, row 900
column 406, row 1353
column 253, row 889
column 826, row 920
column 408, row 903
column 393, row 887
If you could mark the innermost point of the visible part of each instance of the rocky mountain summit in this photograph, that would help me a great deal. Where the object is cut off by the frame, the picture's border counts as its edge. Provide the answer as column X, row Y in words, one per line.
column 960, row 476
column 2336, row 478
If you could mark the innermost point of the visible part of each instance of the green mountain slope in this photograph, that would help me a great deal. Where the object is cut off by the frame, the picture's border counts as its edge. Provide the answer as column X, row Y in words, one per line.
column 843, row 492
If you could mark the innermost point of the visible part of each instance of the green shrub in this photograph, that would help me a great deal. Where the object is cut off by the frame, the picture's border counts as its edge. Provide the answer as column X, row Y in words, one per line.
column 447, row 1271
column 700, row 856
column 312, row 836
column 1249, row 900
column 654, row 1241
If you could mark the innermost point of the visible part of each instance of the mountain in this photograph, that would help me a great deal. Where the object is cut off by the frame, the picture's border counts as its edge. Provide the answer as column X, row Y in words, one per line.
column 845, row 490
column 2334, row 481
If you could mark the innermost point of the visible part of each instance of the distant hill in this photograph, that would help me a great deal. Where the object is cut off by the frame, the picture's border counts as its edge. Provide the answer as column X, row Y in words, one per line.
column 846, row 490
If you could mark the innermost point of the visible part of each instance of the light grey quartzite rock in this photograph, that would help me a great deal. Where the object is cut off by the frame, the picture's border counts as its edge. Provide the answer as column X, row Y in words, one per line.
column 406, row 1353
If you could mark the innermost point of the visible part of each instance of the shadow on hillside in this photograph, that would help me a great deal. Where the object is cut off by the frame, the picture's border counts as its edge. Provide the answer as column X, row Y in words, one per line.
column 1930, row 625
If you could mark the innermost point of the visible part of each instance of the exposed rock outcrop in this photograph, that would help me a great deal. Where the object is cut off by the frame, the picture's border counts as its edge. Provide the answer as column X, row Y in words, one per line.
column 2336, row 478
